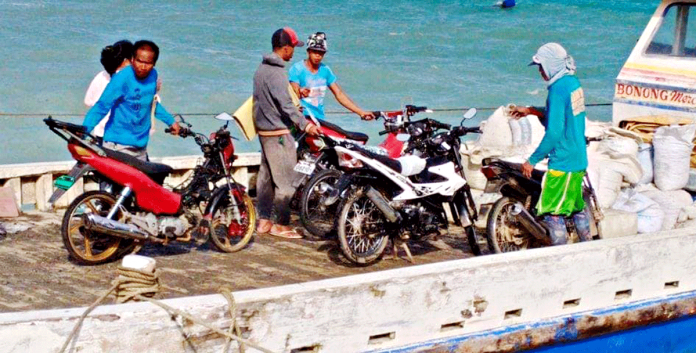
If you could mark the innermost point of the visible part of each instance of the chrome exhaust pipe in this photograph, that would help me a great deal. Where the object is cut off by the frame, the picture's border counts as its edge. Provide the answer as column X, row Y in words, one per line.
column 529, row 223
column 107, row 226
column 383, row 205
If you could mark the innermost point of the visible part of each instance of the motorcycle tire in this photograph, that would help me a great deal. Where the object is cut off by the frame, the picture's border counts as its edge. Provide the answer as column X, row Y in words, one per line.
column 227, row 234
column 357, row 210
column 316, row 217
column 84, row 246
column 473, row 240
column 501, row 224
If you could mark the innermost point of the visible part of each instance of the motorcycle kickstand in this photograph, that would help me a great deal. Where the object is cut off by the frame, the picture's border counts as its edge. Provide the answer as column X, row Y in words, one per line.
column 404, row 245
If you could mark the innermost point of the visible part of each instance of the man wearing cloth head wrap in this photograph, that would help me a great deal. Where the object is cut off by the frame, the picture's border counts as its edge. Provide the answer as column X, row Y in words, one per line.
column 563, row 144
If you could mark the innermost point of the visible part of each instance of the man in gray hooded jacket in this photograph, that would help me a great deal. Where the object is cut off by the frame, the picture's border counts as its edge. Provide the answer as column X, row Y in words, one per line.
column 274, row 114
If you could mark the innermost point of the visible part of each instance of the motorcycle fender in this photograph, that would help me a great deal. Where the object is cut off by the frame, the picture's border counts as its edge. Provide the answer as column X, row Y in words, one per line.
column 77, row 171
column 220, row 193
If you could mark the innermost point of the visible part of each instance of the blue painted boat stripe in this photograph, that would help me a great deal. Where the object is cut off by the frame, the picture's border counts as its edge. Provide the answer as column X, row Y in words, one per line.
column 452, row 341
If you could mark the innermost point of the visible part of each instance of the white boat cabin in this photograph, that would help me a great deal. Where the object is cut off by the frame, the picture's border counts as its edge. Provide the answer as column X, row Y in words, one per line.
column 659, row 77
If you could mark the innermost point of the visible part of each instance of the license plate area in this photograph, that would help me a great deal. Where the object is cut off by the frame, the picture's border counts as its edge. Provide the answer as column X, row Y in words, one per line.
column 305, row 167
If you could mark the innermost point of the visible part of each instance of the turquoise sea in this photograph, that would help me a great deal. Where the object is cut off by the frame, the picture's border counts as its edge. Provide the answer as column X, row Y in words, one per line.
column 442, row 54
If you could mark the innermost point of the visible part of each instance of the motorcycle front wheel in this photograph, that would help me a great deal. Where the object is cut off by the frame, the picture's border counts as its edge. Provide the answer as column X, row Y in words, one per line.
column 504, row 231
column 88, row 247
column 360, row 227
column 228, row 233
column 316, row 216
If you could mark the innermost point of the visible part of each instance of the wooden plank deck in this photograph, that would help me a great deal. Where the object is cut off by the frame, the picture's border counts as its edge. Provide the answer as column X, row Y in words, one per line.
column 38, row 274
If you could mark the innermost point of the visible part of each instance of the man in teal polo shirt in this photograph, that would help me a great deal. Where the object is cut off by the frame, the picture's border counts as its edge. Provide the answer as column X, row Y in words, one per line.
column 563, row 143
column 129, row 96
column 310, row 78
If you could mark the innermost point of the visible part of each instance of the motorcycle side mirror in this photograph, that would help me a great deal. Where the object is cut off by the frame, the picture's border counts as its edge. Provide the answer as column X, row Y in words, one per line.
column 403, row 137
column 469, row 114
column 224, row 117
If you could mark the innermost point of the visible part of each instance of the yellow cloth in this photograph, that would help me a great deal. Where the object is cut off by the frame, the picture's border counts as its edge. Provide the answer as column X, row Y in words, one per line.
column 645, row 126
column 244, row 115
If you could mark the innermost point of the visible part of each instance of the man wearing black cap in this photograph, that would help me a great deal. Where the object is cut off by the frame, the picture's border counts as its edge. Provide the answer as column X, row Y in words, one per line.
column 310, row 79
column 274, row 114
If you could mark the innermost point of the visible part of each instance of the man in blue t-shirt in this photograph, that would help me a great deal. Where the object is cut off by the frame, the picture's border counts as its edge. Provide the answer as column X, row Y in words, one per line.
column 129, row 96
column 310, row 79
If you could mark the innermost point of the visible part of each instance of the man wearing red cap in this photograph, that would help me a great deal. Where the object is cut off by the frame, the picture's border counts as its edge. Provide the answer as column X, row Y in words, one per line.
column 274, row 114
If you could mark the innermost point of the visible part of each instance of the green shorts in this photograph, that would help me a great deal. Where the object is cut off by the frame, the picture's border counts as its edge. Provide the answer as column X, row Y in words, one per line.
column 561, row 193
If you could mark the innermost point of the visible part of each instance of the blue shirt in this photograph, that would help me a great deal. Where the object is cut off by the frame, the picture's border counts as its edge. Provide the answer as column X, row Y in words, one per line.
column 564, row 141
column 130, row 102
column 317, row 83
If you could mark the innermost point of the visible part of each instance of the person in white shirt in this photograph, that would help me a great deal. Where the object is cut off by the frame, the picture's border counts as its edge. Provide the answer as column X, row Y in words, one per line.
column 113, row 58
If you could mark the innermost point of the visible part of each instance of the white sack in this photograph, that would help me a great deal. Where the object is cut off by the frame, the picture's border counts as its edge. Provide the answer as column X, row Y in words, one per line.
column 608, row 174
column 495, row 132
column 672, row 203
column 672, row 156
column 645, row 157
column 649, row 214
column 617, row 147
column 618, row 224
column 691, row 184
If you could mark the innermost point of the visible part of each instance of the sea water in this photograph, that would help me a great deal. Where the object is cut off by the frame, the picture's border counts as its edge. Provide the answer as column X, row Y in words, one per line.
column 441, row 54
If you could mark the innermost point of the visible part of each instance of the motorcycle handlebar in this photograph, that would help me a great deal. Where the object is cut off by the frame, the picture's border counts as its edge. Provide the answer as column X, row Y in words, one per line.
column 415, row 109
column 183, row 132
column 438, row 125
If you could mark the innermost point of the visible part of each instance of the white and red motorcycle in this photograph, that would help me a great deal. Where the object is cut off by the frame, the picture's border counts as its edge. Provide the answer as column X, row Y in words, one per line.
column 402, row 199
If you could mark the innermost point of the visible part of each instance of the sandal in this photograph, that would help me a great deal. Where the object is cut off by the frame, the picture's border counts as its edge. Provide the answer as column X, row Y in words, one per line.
column 264, row 226
column 287, row 234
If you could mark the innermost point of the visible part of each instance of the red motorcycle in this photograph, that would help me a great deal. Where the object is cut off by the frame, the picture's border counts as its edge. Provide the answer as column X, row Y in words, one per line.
column 133, row 207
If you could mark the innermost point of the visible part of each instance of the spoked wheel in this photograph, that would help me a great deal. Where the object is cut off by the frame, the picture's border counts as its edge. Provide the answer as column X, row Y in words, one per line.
column 228, row 232
column 84, row 246
column 360, row 227
column 316, row 216
column 504, row 231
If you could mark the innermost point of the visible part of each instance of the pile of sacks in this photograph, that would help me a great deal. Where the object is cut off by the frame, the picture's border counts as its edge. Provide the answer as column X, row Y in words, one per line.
column 657, row 197
column 641, row 188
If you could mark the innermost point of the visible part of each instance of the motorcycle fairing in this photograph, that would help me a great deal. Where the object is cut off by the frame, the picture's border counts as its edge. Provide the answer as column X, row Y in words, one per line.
column 411, row 190
column 149, row 195
column 393, row 146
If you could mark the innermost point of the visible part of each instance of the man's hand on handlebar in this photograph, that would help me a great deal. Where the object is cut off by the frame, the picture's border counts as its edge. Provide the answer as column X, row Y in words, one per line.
column 367, row 115
column 527, row 169
column 313, row 130
column 174, row 129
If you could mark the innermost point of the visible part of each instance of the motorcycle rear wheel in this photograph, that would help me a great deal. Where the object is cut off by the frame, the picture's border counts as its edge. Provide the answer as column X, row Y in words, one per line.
column 360, row 228
column 316, row 217
column 84, row 246
column 227, row 234
column 503, row 226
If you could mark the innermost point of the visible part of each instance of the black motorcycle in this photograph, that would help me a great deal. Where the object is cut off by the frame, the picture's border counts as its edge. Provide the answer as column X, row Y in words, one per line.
column 512, row 224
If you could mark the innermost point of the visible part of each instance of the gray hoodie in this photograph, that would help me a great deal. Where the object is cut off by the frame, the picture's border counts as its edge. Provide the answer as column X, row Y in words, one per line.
column 273, row 107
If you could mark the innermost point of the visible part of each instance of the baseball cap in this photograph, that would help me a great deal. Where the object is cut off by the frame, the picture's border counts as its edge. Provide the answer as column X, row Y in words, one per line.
column 317, row 41
column 285, row 36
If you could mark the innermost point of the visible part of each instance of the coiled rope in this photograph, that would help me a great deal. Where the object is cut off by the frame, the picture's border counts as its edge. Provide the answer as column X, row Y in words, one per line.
column 135, row 285
column 331, row 112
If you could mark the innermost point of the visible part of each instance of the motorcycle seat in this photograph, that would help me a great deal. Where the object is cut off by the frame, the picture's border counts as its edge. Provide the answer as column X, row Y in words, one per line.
column 155, row 171
column 405, row 165
column 537, row 174
column 357, row 136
